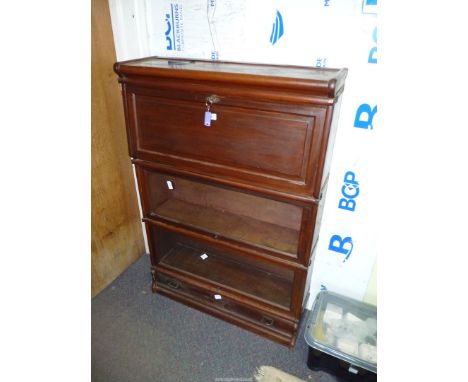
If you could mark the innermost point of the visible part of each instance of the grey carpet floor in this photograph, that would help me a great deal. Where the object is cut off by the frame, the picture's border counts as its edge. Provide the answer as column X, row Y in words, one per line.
column 138, row 336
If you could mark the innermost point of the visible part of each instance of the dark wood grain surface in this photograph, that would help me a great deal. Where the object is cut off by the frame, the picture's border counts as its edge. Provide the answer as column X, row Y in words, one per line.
column 321, row 81
column 241, row 228
column 244, row 190
column 238, row 275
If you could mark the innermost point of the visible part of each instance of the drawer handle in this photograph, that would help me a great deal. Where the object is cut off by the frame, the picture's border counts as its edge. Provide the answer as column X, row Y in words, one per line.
column 267, row 321
column 173, row 284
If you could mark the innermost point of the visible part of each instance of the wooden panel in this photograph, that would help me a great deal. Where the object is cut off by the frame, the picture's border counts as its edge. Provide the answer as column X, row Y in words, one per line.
column 238, row 227
column 273, row 143
column 287, row 339
column 117, row 239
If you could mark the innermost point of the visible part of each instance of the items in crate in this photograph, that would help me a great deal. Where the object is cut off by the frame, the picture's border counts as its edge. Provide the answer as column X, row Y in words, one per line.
column 345, row 329
column 349, row 333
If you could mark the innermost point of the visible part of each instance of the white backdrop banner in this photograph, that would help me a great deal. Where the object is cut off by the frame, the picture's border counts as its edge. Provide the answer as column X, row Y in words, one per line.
column 320, row 33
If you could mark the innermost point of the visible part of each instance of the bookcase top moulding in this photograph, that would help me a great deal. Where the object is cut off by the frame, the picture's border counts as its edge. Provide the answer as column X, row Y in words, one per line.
column 325, row 82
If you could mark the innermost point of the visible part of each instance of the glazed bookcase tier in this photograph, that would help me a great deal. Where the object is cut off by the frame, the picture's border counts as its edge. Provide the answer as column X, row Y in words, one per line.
column 250, row 219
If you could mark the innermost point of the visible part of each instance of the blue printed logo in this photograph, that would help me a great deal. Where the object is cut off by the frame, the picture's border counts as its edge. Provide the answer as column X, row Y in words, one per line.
column 369, row 6
column 364, row 116
column 372, row 59
column 169, row 33
column 278, row 28
column 174, row 33
column 341, row 245
column 350, row 191
column 321, row 62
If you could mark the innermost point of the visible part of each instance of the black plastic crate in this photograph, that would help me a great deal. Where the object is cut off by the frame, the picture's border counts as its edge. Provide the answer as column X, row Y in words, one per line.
column 342, row 337
column 341, row 369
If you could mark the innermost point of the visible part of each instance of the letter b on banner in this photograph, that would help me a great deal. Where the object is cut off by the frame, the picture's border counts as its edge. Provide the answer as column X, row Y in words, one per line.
column 340, row 245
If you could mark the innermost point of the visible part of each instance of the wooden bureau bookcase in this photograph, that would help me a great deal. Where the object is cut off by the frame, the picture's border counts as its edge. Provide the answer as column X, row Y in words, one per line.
column 231, row 208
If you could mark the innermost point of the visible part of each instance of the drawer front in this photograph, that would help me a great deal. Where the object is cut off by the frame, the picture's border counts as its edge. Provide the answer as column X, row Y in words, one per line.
column 277, row 147
column 220, row 302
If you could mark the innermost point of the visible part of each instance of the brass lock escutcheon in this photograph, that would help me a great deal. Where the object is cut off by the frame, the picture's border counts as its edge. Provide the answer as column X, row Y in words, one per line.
column 210, row 100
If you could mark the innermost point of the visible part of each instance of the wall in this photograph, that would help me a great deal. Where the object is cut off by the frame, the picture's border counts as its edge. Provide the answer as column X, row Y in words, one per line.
column 371, row 292
column 321, row 33
column 117, row 238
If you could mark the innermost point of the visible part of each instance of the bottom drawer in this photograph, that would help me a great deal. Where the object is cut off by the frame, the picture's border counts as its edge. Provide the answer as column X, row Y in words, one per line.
column 273, row 327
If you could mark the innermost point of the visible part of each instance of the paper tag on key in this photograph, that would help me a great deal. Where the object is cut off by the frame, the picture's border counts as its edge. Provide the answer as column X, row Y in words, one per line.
column 204, row 256
column 207, row 118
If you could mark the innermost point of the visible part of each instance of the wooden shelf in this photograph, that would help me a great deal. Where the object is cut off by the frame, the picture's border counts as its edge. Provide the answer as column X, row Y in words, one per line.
column 252, row 281
column 233, row 226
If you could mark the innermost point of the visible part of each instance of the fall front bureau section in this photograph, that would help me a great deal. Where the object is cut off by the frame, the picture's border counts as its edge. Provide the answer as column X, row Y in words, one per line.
column 232, row 162
column 272, row 137
column 277, row 146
